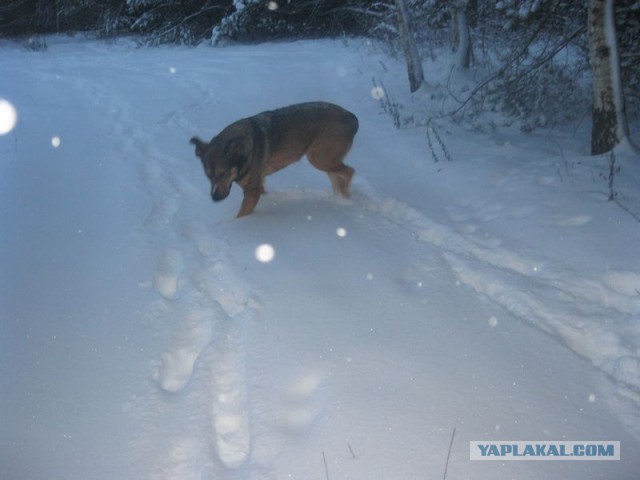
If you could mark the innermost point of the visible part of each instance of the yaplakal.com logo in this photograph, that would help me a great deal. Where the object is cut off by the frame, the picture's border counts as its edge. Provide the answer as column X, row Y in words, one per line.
column 544, row 450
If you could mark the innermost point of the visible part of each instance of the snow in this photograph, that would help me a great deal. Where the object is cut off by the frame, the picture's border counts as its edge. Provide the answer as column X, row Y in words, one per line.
column 147, row 333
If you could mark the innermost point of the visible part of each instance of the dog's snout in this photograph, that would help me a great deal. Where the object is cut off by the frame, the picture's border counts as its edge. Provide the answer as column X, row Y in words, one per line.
column 218, row 193
column 215, row 195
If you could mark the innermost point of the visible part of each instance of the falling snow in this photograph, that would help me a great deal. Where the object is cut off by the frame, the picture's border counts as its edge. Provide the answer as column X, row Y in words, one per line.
column 377, row 92
column 8, row 116
column 265, row 253
column 148, row 333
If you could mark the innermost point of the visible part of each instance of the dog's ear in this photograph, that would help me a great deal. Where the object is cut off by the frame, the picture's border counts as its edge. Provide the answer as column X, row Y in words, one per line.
column 200, row 146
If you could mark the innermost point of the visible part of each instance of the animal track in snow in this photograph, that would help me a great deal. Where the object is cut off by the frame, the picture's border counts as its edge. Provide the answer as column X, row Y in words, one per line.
column 212, row 338
column 205, row 302
column 571, row 221
column 221, row 284
column 521, row 212
column 302, row 404
column 166, row 279
column 176, row 364
column 182, row 459
column 162, row 211
column 229, row 408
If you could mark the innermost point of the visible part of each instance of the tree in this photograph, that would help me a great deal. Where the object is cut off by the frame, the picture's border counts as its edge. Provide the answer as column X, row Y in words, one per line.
column 414, row 65
column 38, row 16
column 628, row 30
column 609, row 120
column 461, row 33
column 176, row 21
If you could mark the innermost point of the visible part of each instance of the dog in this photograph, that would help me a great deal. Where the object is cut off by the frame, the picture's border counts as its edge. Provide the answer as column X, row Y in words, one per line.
column 248, row 150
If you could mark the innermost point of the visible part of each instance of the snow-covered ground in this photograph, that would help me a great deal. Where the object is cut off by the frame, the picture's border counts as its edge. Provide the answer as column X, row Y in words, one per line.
column 140, row 337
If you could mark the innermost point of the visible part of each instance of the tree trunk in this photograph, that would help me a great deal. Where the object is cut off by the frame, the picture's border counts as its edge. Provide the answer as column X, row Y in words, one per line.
column 461, row 34
column 414, row 65
column 609, row 121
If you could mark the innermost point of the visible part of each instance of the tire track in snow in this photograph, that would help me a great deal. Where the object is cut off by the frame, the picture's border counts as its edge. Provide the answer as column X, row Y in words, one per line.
column 574, row 310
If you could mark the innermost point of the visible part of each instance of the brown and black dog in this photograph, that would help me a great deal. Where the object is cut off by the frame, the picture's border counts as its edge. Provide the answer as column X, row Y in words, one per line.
column 250, row 149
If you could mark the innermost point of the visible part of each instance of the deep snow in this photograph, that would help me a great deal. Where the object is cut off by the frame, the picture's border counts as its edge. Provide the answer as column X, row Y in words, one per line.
column 498, row 293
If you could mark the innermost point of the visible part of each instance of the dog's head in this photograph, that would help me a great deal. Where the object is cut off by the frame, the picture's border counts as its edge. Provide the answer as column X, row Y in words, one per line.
column 222, row 159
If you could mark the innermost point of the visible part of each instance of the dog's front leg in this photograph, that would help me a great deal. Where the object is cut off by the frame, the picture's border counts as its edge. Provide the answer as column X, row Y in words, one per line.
column 250, row 200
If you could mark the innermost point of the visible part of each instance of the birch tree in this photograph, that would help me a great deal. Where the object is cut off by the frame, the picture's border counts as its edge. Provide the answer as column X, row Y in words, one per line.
column 461, row 34
column 414, row 65
column 609, row 121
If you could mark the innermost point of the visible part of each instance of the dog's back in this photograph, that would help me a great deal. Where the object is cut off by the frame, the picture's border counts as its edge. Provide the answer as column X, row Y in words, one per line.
column 321, row 130
column 314, row 114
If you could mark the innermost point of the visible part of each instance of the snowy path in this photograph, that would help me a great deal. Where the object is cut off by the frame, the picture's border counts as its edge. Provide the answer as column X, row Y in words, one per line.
column 382, row 323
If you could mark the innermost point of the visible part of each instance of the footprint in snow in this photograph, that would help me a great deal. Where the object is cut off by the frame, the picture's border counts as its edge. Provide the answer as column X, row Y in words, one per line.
column 176, row 364
column 623, row 282
column 206, row 244
column 230, row 418
column 162, row 212
column 221, row 284
column 521, row 212
column 302, row 403
column 571, row 221
column 166, row 279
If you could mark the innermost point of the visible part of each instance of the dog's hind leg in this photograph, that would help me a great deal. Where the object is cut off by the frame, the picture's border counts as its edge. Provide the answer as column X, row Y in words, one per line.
column 329, row 159
column 341, row 180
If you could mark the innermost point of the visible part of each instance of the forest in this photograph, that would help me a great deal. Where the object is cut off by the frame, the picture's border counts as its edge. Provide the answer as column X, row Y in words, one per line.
column 481, row 283
column 540, row 63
